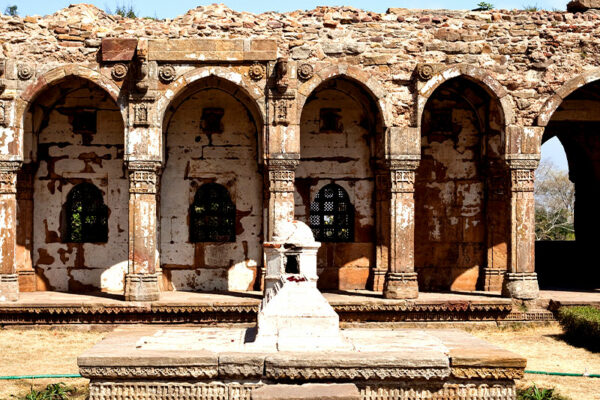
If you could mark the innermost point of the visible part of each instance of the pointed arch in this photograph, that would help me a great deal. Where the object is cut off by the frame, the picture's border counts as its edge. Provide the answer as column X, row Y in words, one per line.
column 86, row 215
column 332, row 215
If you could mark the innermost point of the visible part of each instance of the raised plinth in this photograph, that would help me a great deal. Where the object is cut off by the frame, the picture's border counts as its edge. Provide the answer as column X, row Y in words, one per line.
column 221, row 364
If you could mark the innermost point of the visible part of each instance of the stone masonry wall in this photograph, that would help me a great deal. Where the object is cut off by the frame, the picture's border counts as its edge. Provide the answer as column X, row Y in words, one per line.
column 272, row 74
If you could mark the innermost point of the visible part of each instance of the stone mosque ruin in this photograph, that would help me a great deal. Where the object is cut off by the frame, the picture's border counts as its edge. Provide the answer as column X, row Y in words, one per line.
column 344, row 149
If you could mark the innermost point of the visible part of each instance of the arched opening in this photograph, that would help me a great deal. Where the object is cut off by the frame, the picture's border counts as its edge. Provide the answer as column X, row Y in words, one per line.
column 86, row 215
column 72, row 190
column 462, row 214
column 211, row 133
column 212, row 215
column 340, row 137
column 575, row 124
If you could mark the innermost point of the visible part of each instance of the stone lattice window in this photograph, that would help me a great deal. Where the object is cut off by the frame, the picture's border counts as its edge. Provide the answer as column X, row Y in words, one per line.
column 332, row 215
column 87, row 215
column 212, row 215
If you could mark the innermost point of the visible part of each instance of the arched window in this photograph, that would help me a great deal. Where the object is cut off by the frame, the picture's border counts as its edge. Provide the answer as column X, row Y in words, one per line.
column 86, row 215
column 332, row 215
column 212, row 215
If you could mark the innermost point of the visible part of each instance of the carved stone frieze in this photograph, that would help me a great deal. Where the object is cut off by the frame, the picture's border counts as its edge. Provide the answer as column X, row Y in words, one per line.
column 282, row 175
column 256, row 72
column 149, row 372
column 522, row 180
column 25, row 72
column 349, row 373
column 143, row 176
column 119, row 71
column 167, row 73
column 449, row 391
column 487, row 373
column 171, row 390
column 305, row 72
column 282, row 104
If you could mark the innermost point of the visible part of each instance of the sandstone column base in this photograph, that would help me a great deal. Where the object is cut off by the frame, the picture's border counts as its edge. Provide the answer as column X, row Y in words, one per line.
column 378, row 280
column 521, row 285
column 141, row 287
column 493, row 279
column 9, row 287
column 401, row 285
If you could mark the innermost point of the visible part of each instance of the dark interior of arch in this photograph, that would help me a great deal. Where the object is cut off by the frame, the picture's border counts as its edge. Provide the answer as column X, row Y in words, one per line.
column 461, row 214
column 576, row 123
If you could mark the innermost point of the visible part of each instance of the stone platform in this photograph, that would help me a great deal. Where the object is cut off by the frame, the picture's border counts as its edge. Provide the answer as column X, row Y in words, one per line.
column 148, row 363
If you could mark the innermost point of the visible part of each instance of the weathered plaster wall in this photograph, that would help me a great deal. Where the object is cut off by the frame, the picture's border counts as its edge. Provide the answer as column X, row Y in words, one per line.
column 65, row 159
column 458, row 146
column 343, row 158
column 229, row 158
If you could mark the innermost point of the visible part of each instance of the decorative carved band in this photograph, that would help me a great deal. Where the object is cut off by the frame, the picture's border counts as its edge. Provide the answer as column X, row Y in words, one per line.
column 487, row 373
column 450, row 391
column 143, row 176
column 282, row 175
column 350, row 373
column 402, row 181
column 522, row 180
column 8, row 176
column 171, row 390
column 148, row 372
column 401, row 276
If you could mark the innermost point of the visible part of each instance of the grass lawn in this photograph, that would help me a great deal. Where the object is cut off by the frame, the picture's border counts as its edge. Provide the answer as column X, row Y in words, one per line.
column 54, row 351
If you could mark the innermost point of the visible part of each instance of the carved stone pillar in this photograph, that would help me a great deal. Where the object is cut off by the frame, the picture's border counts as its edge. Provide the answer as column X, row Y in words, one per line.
column 141, row 281
column 281, row 193
column 401, row 279
column 27, row 278
column 9, row 281
column 521, row 279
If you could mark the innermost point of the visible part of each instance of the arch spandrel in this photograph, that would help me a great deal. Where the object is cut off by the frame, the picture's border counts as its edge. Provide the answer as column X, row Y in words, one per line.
column 55, row 77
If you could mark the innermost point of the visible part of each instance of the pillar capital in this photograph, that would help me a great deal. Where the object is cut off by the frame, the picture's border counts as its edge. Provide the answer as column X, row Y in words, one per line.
column 143, row 176
column 8, row 176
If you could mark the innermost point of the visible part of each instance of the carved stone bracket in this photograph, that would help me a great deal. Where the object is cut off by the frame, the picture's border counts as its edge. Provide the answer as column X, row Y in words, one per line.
column 282, row 104
column 143, row 176
column 8, row 176
column 142, row 83
column 281, row 75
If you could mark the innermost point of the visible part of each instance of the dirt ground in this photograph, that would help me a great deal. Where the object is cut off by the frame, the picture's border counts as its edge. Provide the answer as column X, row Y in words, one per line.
column 546, row 351
column 55, row 351
column 42, row 351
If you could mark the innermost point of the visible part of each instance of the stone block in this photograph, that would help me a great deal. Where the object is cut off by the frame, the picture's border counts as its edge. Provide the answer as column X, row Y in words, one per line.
column 9, row 287
column 118, row 49
column 582, row 5
column 309, row 391
column 141, row 287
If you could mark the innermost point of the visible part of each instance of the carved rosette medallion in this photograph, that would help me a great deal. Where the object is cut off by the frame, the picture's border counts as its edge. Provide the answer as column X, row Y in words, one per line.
column 305, row 72
column 8, row 176
column 24, row 72
column 143, row 176
column 256, row 72
column 167, row 73
column 119, row 71
column 425, row 71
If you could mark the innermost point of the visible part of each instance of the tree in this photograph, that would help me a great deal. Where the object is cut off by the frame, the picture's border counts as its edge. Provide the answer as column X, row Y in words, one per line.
column 483, row 6
column 11, row 10
column 554, row 203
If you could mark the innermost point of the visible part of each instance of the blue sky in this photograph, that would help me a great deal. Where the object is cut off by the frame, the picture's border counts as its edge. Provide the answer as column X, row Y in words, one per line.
column 170, row 9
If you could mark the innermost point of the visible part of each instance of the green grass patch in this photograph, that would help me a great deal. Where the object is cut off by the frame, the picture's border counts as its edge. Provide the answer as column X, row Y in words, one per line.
column 54, row 391
column 536, row 393
column 581, row 326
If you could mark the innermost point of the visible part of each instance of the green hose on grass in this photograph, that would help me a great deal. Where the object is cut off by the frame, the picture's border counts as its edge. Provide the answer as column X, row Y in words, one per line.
column 16, row 377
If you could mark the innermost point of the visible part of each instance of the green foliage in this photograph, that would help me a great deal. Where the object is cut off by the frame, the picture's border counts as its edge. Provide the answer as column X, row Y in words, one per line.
column 125, row 11
column 531, row 7
column 483, row 6
column 11, row 10
column 535, row 393
column 581, row 326
column 54, row 391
